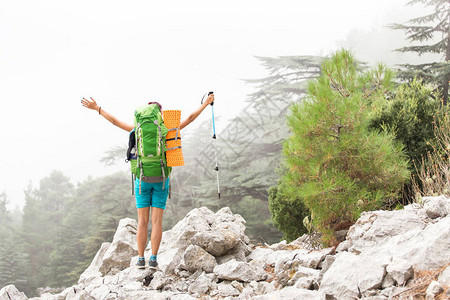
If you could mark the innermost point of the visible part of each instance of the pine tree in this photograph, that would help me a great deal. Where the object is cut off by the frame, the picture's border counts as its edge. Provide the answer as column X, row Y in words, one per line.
column 335, row 164
column 435, row 28
column 43, row 214
column 13, row 261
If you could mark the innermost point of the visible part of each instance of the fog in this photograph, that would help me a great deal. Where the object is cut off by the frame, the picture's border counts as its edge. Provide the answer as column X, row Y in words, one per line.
column 124, row 54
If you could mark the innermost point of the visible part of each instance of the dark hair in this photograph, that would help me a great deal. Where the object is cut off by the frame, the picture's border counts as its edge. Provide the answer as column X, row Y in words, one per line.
column 154, row 102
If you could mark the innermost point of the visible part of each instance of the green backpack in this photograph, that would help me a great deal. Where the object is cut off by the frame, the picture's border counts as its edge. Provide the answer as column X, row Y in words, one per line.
column 148, row 160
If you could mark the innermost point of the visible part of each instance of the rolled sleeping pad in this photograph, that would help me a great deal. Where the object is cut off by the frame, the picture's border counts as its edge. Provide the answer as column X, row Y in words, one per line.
column 172, row 119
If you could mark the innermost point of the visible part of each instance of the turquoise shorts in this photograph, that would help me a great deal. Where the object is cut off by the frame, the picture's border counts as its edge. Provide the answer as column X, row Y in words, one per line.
column 152, row 194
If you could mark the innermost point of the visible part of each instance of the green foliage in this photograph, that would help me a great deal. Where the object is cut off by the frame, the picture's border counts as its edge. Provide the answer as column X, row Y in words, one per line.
column 43, row 214
column 287, row 212
column 336, row 165
column 435, row 28
column 63, row 227
column 409, row 115
column 433, row 175
column 13, row 260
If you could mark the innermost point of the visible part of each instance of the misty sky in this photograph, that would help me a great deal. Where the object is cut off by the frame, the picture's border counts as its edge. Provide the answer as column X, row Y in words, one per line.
column 124, row 54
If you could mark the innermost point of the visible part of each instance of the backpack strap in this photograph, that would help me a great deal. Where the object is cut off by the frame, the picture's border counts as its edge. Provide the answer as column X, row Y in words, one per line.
column 173, row 148
column 140, row 177
column 156, row 122
column 170, row 189
column 177, row 129
column 163, row 173
column 132, row 184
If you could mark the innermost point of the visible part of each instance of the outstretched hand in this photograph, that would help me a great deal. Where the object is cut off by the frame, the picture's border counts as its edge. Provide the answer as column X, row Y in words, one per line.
column 210, row 99
column 91, row 104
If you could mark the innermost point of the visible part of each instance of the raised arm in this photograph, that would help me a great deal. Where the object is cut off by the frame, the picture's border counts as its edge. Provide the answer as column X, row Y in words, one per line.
column 197, row 112
column 91, row 104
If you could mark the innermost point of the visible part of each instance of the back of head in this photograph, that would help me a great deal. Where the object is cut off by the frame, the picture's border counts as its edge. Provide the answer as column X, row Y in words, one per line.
column 154, row 102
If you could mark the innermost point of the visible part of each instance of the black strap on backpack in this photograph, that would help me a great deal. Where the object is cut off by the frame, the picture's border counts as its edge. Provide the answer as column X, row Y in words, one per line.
column 131, row 154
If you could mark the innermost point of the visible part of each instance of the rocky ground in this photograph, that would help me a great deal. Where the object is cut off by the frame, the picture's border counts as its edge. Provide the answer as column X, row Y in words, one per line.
column 386, row 255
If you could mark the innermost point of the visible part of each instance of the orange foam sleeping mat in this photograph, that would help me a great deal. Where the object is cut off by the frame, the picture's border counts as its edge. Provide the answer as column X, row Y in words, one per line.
column 172, row 119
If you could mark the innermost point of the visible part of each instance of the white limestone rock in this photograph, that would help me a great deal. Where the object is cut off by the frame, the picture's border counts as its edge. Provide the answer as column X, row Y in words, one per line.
column 400, row 271
column 78, row 293
column 216, row 243
column 240, row 271
column 307, row 277
column 93, row 271
column 434, row 289
column 100, row 292
column 376, row 227
column 201, row 285
column 159, row 281
column 290, row 293
column 207, row 228
column 10, row 292
column 351, row 275
column 436, row 207
column 195, row 258
column 226, row 290
column 182, row 297
column 444, row 277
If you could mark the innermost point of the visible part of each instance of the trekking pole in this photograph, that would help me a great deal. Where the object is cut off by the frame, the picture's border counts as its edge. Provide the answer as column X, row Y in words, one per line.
column 215, row 144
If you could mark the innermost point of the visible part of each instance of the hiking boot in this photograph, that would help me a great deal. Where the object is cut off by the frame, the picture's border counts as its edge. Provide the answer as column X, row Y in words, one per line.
column 152, row 264
column 141, row 264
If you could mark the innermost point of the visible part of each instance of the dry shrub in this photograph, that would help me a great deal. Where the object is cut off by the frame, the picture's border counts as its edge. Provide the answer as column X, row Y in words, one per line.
column 416, row 289
column 433, row 175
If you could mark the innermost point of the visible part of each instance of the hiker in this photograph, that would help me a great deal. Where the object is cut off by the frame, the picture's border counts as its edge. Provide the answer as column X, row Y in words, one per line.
column 152, row 195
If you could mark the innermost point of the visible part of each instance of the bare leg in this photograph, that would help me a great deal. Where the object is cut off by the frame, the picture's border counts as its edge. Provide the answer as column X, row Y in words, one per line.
column 157, row 216
column 143, row 215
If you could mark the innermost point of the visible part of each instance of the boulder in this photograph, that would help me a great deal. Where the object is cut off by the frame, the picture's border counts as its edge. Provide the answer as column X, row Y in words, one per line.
column 238, row 252
column 351, row 275
column 271, row 257
column 93, row 271
column 376, row 227
column 400, row 271
column 100, row 292
column 444, row 277
column 436, row 207
column 404, row 235
column 306, row 275
column 11, row 292
column 290, row 261
column 77, row 293
column 182, row 297
column 201, row 285
column 129, row 275
column 159, row 281
column 426, row 249
column 216, row 233
column 434, row 289
column 217, row 243
column 195, row 258
column 262, row 287
column 123, row 247
column 240, row 271
column 290, row 293
column 143, row 295
column 226, row 290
